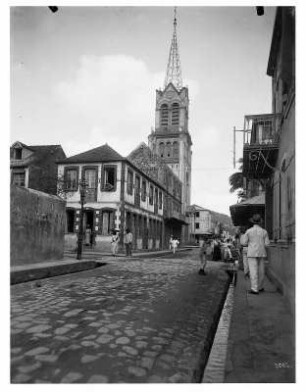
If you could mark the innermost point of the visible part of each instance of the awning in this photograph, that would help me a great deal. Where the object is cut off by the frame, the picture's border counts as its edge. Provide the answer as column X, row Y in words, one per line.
column 176, row 220
column 242, row 212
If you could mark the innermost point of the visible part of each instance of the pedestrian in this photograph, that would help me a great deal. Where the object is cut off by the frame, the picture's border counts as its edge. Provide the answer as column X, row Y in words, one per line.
column 93, row 239
column 244, row 252
column 216, row 250
column 175, row 243
column 205, row 250
column 228, row 251
column 170, row 242
column 87, row 235
column 115, row 242
column 257, row 239
column 128, row 241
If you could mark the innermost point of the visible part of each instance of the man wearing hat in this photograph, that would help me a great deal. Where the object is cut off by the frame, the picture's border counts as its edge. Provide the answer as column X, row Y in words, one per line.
column 257, row 239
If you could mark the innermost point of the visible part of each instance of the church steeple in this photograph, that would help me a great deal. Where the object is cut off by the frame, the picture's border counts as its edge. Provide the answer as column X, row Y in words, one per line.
column 174, row 72
column 171, row 139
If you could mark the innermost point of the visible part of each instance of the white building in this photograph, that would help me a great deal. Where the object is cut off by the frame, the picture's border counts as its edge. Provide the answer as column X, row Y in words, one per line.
column 119, row 195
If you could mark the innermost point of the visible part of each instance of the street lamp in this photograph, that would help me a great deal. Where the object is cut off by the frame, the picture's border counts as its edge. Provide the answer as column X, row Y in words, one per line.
column 82, row 188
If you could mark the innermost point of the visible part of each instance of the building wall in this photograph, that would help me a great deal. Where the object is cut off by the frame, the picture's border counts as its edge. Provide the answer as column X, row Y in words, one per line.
column 37, row 226
column 281, row 270
column 102, row 196
column 203, row 221
column 282, row 199
column 43, row 171
column 284, row 182
column 145, row 221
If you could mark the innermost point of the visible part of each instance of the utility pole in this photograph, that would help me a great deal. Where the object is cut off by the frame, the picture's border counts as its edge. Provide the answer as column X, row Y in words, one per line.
column 82, row 189
column 234, row 144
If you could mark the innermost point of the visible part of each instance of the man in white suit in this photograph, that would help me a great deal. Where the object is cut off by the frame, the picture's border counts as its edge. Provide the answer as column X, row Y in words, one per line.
column 257, row 240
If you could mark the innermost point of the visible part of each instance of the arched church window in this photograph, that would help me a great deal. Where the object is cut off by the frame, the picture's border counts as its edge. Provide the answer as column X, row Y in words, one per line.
column 175, row 150
column 164, row 115
column 175, row 114
column 161, row 149
column 168, row 150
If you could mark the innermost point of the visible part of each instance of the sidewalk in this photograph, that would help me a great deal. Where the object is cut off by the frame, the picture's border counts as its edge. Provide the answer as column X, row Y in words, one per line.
column 261, row 343
column 69, row 264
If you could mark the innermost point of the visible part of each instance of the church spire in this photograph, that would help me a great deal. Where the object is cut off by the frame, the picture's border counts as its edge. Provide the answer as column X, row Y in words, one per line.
column 174, row 73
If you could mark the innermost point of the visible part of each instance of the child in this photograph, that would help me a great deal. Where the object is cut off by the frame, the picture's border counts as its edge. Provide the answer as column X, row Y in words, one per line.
column 175, row 244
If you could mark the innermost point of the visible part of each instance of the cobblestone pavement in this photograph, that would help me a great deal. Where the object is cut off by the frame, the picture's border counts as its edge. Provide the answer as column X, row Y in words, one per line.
column 129, row 321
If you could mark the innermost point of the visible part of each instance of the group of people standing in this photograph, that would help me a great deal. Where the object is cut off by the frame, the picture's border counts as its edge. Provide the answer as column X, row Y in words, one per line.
column 250, row 246
column 128, row 242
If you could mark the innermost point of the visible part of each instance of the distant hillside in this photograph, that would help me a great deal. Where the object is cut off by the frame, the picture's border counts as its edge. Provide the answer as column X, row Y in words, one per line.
column 225, row 220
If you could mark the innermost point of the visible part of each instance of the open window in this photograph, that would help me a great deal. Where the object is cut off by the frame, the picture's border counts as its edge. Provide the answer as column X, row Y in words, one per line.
column 130, row 182
column 18, row 153
column 109, row 178
column 144, row 190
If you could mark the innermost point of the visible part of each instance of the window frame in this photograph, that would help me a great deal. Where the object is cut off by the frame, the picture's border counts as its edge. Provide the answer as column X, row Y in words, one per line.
column 130, row 185
column 18, row 172
column 160, row 200
column 164, row 115
column 75, row 168
column 19, row 150
column 175, row 109
column 151, row 195
column 143, row 190
column 104, row 188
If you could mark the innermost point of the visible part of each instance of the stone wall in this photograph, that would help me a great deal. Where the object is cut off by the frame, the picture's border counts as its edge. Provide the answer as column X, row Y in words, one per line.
column 37, row 226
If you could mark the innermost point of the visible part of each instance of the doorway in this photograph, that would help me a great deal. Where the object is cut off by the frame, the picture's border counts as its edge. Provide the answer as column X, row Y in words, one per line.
column 88, row 219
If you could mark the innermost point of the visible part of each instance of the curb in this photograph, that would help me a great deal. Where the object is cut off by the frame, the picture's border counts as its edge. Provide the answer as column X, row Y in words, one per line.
column 27, row 275
column 135, row 254
column 209, row 338
column 215, row 368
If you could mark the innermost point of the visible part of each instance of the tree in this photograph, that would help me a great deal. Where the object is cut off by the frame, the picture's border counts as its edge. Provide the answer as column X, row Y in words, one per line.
column 236, row 180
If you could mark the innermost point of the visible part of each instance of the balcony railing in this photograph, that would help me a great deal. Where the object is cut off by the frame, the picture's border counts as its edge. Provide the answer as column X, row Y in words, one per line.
column 260, row 144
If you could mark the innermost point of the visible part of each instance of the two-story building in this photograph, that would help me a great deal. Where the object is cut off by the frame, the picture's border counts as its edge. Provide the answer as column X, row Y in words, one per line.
column 120, row 194
column 35, row 166
column 269, row 156
column 200, row 223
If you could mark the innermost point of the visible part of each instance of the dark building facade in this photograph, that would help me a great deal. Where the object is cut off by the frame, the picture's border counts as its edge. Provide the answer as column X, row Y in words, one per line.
column 35, row 166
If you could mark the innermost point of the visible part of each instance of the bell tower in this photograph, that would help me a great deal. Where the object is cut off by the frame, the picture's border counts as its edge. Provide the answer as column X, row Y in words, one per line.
column 171, row 139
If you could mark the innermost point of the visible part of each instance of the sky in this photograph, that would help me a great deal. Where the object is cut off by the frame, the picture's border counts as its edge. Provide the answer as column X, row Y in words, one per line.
column 86, row 76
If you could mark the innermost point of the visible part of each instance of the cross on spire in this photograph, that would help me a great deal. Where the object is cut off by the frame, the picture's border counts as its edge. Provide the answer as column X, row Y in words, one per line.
column 174, row 72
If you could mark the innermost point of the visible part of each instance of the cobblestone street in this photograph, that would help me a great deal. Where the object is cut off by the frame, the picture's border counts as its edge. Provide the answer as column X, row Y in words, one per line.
column 129, row 321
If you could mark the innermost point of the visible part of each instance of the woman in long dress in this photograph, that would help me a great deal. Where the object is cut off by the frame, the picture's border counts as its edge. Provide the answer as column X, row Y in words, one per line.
column 115, row 240
column 87, row 235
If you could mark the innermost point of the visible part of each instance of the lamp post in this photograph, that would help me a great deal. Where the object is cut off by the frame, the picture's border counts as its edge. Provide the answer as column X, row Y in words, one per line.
column 82, row 188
